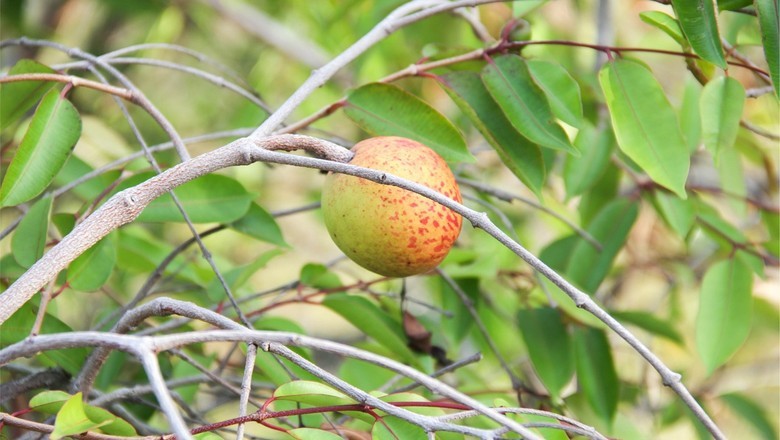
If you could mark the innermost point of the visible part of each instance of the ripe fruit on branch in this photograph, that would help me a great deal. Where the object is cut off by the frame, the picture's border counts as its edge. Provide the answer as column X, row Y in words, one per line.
column 386, row 229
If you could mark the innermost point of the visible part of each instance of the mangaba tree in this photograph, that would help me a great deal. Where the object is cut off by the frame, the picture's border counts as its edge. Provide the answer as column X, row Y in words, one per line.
column 166, row 266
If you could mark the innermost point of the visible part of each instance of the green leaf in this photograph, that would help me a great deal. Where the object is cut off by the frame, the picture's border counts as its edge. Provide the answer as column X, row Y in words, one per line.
column 319, row 276
column 53, row 132
column 666, row 23
column 520, row 155
column 19, row 97
column 92, row 269
column 49, row 401
column 393, row 428
column 650, row 323
column 581, row 173
column 596, row 373
column 731, row 5
column 372, row 321
column 258, row 223
column 752, row 413
column 549, row 347
column 587, row 265
column 312, row 393
column 769, row 22
column 72, row 419
column 722, row 101
column 311, row 434
column 561, row 89
column 524, row 103
column 460, row 324
column 364, row 375
column 725, row 309
column 645, row 124
column 384, row 109
column 30, row 237
column 679, row 214
column 236, row 278
column 690, row 116
column 90, row 189
column 700, row 25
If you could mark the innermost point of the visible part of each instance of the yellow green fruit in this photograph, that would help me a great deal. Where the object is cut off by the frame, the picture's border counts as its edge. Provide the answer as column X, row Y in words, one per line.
column 386, row 229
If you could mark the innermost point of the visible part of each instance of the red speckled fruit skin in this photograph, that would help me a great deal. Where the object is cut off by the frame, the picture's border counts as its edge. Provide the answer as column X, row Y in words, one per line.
column 386, row 229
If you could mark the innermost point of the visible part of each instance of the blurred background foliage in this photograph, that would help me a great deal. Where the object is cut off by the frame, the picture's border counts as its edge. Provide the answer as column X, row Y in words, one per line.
column 656, row 272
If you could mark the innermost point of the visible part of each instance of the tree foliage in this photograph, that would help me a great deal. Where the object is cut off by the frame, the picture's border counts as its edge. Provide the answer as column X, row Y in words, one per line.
column 618, row 162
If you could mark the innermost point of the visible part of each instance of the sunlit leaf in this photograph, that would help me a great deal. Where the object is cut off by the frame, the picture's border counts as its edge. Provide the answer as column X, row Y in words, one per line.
column 524, row 103
column 31, row 235
column 19, row 97
column 393, row 428
column 645, row 124
column 384, row 110
column 690, row 116
column 722, row 101
column 699, row 23
column 520, row 155
column 666, row 23
column 50, row 137
column 549, row 347
column 725, row 305
column 73, row 419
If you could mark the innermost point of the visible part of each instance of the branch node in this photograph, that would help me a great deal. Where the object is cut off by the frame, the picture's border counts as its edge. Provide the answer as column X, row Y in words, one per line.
column 671, row 379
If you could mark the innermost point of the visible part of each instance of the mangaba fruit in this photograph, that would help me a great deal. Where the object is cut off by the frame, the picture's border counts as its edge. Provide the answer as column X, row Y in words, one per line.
column 386, row 229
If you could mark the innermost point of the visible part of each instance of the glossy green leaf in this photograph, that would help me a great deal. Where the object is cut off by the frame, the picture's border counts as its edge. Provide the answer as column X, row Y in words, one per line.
column 393, row 428
column 722, row 101
column 364, row 375
column 768, row 13
column 602, row 192
column 31, row 235
column 72, row 419
column 589, row 266
column 460, row 324
column 260, row 224
column 666, row 23
column 725, row 309
column 92, row 269
column 645, row 124
column 49, row 401
column 753, row 413
column 699, row 24
column 581, row 173
column 384, row 110
column 521, row 156
column 19, row 97
column 524, row 103
column 549, row 347
column 562, row 90
column 650, row 323
column 312, row 434
column 372, row 321
column 212, row 198
column 311, row 393
column 596, row 375
column 679, row 214
column 53, row 132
